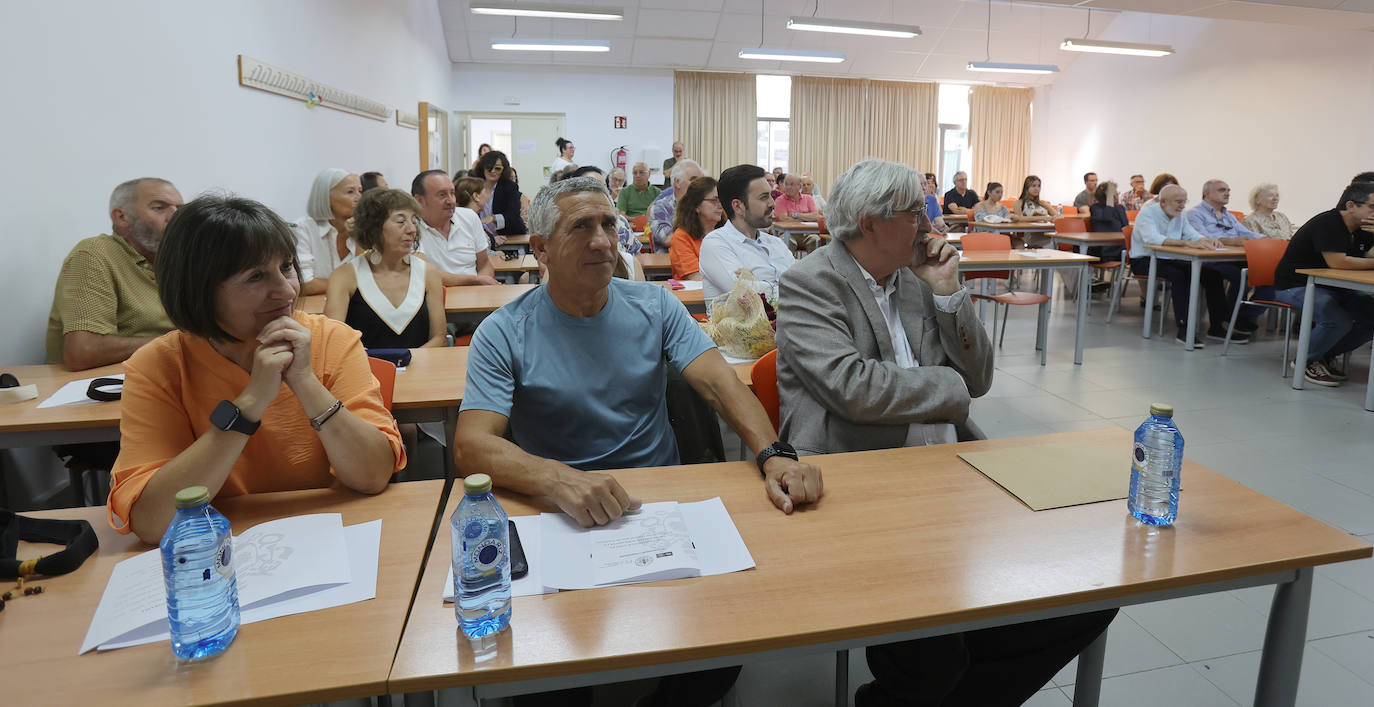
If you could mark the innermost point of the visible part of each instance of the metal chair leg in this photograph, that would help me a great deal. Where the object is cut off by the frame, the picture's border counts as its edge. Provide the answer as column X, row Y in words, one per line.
column 1287, row 326
column 1235, row 312
column 842, row 678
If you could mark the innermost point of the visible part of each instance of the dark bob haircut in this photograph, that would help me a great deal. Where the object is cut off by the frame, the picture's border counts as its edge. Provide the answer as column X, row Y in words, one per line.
column 734, row 184
column 372, row 213
column 491, row 159
column 209, row 240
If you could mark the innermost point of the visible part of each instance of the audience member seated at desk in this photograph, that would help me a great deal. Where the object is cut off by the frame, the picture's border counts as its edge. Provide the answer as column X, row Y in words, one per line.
column 1107, row 216
column 451, row 237
column 662, row 213
column 1211, row 219
column 373, row 180
column 678, row 151
column 636, row 197
column 387, row 293
column 808, row 187
column 501, row 213
column 1135, row 197
column 1343, row 319
column 1086, row 197
column 743, row 242
column 1264, row 217
column 533, row 361
column 105, row 304
column 322, row 241
column 990, row 205
column 1161, row 180
column 615, row 181
column 959, row 200
column 774, row 182
column 698, row 214
column 205, row 405
column 629, row 244
column 796, row 206
column 880, row 347
column 933, row 213
column 1162, row 222
column 1030, row 207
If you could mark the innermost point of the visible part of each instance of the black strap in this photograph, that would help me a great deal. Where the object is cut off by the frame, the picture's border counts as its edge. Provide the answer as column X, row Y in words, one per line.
column 7, row 380
column 77, row 535
column 97, row 390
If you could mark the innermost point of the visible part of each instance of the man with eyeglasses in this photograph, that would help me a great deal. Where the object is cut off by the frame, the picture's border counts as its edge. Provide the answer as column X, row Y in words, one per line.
column 1211, row 219
column 1343, row 319
column 1135, row 197
column 960, row 200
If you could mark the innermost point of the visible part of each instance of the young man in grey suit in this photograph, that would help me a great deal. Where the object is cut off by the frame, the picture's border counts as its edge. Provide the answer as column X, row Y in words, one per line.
column 880, row 347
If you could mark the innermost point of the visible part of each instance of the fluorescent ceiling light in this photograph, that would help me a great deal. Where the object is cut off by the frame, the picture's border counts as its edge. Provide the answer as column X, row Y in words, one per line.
column 551, row 45
column 566, row 12
column 876, row 29
column 1007, row 68
column 1101, row 47
column 792, row 55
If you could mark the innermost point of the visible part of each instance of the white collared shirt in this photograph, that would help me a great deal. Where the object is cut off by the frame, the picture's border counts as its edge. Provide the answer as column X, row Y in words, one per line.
column 725, row 250
column 316, row 250
column 455, row 254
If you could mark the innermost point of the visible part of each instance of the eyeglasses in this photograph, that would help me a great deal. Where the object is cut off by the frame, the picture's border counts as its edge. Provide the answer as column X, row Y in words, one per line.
column 713, row 200
column 495, row 168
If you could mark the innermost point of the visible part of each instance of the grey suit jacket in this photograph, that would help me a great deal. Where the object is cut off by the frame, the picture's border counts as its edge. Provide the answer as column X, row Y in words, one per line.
column 840, row 387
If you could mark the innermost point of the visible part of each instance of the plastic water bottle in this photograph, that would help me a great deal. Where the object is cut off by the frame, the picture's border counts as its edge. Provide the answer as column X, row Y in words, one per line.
column 1156, row 466
column 481, row 560
column 197, row 565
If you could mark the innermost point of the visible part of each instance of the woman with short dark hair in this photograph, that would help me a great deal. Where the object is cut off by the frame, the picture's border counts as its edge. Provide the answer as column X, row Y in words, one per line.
column 206, row 405
column 502, row 213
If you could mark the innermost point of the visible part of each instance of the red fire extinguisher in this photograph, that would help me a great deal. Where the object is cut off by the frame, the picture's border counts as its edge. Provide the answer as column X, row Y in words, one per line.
column 620, row 156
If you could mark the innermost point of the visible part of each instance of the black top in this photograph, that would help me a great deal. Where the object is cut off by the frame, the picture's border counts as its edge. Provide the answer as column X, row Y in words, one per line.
column 968, row 200
column 505, row 200
column 376, row 333
column 1324, row 233
column 1108, row 218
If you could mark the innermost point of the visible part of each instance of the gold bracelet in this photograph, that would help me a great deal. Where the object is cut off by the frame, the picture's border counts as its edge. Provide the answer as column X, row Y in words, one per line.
column 318, row 421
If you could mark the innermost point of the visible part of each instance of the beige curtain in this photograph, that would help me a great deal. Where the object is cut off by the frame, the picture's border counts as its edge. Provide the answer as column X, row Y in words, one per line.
column 999, row 127
column 902, row 121
column 828, row 127
column 715, row 117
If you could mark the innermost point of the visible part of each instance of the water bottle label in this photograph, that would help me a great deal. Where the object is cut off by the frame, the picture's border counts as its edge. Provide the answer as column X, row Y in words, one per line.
column 488, row 555
column 224, row 557
column 473, row 531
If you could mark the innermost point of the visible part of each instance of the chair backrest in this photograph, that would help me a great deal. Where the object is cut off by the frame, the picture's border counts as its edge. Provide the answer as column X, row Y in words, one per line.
column 764, row 377
column 1240, row 215
column 820, row 226
column 970, row 216
column 385, row 373
column 638, row 222
column 1071, row 224
column 985, row 241
column 1130, row 215
column 1069, row 210
column 1009, row 203
column 1262, row 256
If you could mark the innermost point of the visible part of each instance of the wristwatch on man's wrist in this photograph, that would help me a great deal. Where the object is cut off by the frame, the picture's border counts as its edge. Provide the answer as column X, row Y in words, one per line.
column 228, row 417
column 776, row 449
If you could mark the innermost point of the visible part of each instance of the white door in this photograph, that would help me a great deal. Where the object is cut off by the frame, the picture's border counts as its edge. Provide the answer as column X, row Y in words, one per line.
column 533, row 149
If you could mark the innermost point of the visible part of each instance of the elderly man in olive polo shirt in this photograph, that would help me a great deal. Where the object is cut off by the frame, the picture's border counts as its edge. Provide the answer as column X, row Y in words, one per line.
column 106, row 305
column 638, row 194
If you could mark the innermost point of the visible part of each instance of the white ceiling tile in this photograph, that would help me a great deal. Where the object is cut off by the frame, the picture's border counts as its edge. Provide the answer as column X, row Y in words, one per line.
column 671, row 52
column 679, row 24
column 704, row 5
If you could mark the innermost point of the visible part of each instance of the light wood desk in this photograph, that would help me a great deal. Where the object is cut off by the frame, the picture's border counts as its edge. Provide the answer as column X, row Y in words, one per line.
column 24, row 425
column 1013, row 227
column 914, row 567
column 333, row 654
column 1358, row 280
column 655, row 263
column 511, row 270
column 470, row 299
column 1039, row 259
column 1195, row 257
column 695, row 300
column 516, row 244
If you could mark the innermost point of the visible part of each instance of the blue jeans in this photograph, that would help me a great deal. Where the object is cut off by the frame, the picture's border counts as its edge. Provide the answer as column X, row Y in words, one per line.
column 1343, row 320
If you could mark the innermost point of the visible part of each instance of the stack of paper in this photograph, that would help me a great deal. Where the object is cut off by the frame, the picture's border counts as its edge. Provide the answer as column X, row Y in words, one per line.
column 282, row 567
column 74, row 393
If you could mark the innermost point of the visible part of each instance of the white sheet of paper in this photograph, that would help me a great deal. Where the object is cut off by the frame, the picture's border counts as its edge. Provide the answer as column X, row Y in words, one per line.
column 530, row 584
column 569, row 555
column 74, row 393
column 280, row 560
column 1034, row 254
column 733, row 361
column 689, row 285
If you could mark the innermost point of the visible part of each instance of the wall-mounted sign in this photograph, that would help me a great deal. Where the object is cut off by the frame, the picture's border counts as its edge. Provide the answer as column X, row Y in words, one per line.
column 620, row 122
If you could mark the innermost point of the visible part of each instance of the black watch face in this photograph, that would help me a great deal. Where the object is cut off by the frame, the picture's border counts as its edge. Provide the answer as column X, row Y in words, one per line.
column 224, row 415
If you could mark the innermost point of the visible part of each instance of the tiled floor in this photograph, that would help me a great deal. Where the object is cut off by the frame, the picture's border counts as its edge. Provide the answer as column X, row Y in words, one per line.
column 1310, row 449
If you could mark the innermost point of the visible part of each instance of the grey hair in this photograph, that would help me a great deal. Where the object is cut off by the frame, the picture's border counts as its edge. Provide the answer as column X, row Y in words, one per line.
column 618, row 172
column 875, row 188
column 680, row 168
column 123, row 195
column 317, row 206
column 1260, row 189
column 544, row 213
column 1207, row 185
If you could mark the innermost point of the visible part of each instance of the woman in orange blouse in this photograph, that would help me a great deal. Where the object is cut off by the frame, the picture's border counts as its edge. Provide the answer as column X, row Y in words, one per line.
column 249, row 395
column 698, row 213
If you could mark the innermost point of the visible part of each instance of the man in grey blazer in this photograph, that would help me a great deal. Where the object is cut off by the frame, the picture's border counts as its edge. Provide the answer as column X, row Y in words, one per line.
column 879, row 347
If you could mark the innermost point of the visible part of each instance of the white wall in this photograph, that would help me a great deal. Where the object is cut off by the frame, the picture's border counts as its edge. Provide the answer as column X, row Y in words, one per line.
column 589, row 97
column 115, row 90
column 1240, row 101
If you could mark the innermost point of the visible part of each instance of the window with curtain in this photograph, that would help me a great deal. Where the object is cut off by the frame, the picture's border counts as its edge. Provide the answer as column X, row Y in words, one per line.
column 774, row 114
column 999, row 135
column 714, row 116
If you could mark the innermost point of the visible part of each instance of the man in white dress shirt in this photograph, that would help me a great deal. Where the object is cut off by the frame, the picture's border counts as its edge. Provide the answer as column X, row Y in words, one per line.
column 742, row 243
column 456, row 249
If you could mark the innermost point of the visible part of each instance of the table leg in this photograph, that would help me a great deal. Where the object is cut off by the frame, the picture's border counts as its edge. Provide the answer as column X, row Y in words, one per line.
column 1195, row 283
column 1087, row 686
column 1309, row 300
column 1149, row 294
column 842, row 678
column 1043, row 324
column 450, row 428
column 1284, row 640
column 1369, row 386
column 1083, row 284
column 459, row 697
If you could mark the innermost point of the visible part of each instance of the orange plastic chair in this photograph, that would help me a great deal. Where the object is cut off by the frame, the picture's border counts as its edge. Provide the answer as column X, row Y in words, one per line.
column 1069, row 224
column 637, row 223
column 764, row 378
column 1262, row 256
column 1009, row 203
column 385, row 373
column 1240, row 215
column 997, row 241
column 1130, row 215
column 1069, row 210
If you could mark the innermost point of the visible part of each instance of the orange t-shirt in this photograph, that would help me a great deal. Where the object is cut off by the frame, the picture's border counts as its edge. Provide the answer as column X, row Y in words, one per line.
column 684, row 252
column 172, row 384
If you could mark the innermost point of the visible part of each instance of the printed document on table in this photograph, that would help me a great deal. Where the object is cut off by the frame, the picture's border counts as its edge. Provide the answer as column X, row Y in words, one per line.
column 284, row 560
column 74, row 393
column 663, row 541
column 530, row 584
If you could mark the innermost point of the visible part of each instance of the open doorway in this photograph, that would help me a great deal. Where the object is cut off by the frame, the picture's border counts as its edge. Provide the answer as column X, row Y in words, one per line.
column 526, row 138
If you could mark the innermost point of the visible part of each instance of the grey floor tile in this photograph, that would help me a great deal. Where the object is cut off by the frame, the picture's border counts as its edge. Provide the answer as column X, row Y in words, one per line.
column 1204, row 626
column 1048, row 697
column 1130, row 649
column 1354, row 652
column 1335, row 609
column 1324, row 682
column 1045, row 408
column 1176, row 685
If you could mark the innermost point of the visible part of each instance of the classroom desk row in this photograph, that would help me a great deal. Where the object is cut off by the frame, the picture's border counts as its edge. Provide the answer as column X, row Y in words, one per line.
column 914, row 567
column 484, row 299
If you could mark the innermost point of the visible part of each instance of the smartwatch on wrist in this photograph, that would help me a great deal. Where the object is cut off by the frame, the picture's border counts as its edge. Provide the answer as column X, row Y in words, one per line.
column 776, row 449
column 228, row 417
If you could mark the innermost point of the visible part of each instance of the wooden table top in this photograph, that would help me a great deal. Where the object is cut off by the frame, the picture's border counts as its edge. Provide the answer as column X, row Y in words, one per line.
column 654, row 261
column 333, row 654
column 26, row 417
column 687, row 297
column 1362, row 277
column 436, row 377
column 1024, row 226
column 1091, row 238
column 1229, row 252
column 482, row 298
column 789, row 225
column 917, row 558
column 517, row 240
column 524, row 263
column 1021, row 258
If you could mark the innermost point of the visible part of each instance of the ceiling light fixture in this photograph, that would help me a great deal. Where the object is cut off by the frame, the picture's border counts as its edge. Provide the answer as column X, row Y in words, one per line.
column 1010, row 68
column 792, row 55
column 1102, row 47
column 875, row 29
column 550, row 45
column 566, row 12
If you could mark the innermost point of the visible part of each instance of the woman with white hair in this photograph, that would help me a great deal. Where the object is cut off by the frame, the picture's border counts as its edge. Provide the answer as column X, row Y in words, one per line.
column 322, row 241
column 1263, row 218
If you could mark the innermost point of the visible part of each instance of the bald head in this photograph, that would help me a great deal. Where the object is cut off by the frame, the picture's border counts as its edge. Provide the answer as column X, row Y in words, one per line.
column 1172, row 199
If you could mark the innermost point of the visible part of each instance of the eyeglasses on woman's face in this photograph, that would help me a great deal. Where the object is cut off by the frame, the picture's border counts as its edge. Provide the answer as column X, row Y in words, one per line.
column 496, row 168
